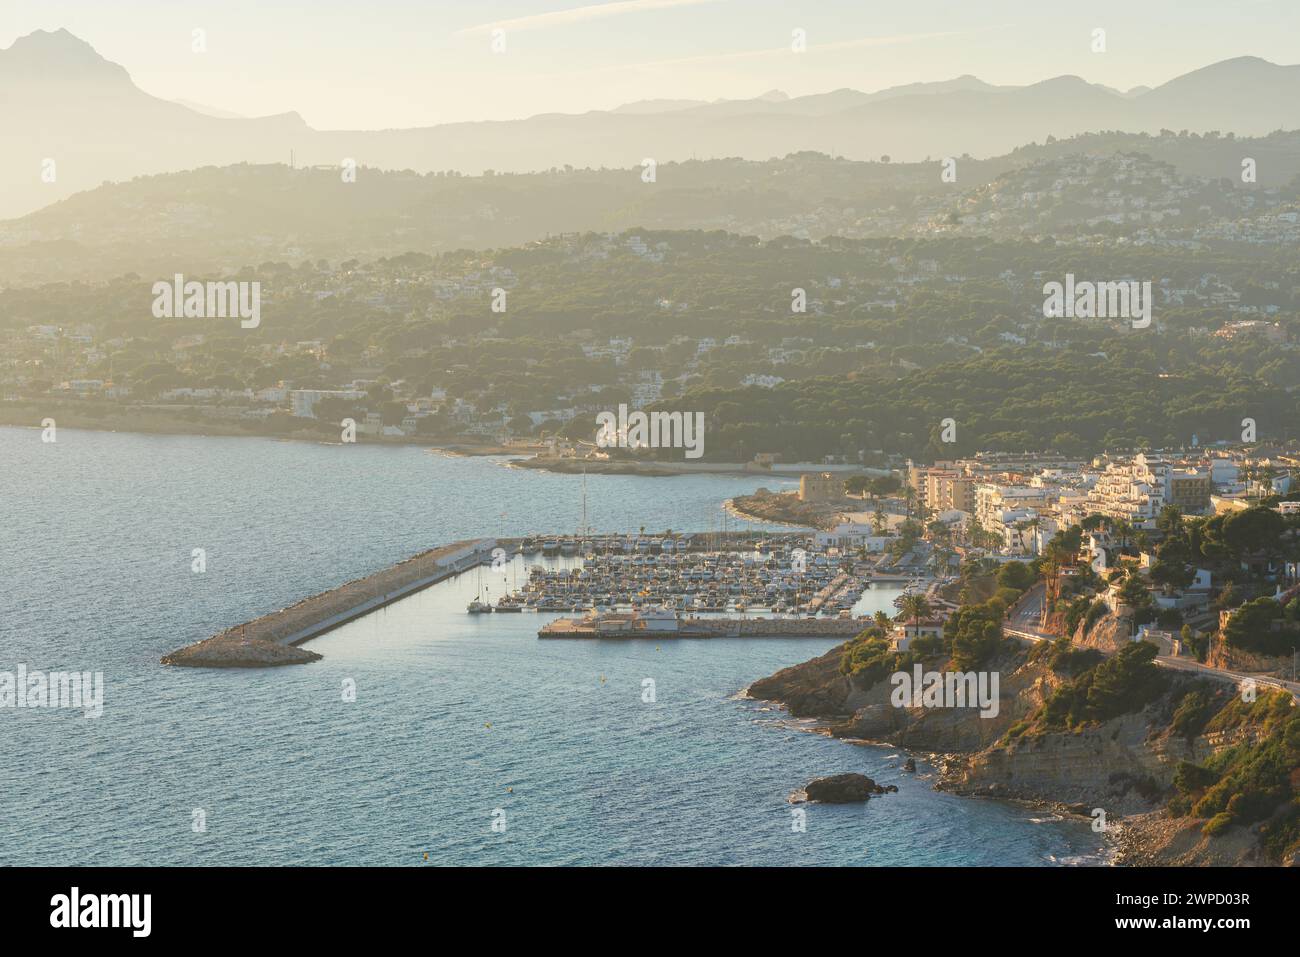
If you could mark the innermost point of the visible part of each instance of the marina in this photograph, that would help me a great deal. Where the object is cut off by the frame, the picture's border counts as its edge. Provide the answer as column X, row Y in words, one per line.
column 772, row 575
column 685, row 585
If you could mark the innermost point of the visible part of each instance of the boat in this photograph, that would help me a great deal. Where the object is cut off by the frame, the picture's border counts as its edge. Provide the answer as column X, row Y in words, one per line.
column 479, row 606
column 550, row 546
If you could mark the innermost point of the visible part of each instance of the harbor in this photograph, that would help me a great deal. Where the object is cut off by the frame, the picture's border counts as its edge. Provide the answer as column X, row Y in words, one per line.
column 772, row 574
column 682, row 585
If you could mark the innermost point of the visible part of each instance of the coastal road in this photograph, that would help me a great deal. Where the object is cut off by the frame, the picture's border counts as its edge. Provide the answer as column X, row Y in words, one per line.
column 1012, row 629
column 1028, row 612
column 1222, row 674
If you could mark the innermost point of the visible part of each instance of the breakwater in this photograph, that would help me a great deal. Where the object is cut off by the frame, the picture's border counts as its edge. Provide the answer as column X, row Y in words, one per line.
column 274, row 639
column 710, row 628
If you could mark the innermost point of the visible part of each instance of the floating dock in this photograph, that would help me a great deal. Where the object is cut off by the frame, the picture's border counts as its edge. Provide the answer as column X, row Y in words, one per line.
column 274, row 639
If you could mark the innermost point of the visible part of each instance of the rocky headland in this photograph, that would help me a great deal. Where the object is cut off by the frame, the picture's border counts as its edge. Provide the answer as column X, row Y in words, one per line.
column 1178, row 770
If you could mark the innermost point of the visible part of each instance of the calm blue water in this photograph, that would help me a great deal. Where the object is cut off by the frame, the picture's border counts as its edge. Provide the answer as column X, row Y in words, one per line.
column 455, row 716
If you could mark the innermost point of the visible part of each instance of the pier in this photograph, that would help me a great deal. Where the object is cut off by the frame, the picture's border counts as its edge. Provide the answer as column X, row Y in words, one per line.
column 274, row 639
column 592, row 627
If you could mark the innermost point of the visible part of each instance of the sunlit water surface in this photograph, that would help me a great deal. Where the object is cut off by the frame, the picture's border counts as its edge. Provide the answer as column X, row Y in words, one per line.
column 458, row 720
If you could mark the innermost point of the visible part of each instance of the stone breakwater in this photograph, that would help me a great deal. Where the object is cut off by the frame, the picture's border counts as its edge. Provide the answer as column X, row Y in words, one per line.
column 274, row 639
column 715, row 628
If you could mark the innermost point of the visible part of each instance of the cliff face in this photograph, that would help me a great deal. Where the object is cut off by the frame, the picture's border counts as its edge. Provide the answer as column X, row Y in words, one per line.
column 1119, row 766
column 814, row 689
column 1022, row 688
column 1125, row 766
column 1108, row 634
column 1223, row 655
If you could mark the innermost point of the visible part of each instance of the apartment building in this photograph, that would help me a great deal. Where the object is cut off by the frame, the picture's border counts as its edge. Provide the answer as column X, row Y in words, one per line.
column 1136, row 491
column 992, row 499
column 949, row 491
column 918, row 478
column 1189, row 489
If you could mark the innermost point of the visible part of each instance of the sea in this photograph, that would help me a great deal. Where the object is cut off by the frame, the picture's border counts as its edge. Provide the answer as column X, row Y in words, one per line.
column 425, row 736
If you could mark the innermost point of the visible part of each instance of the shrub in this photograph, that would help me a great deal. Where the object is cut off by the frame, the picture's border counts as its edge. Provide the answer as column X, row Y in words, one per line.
column 1096, row 611
column 1193, row 713
column 1217, row 825
column 1125, row 683
column 1257, row 776
column 1192, row 779
column 1281, row 836
column 1066, row 659
column 1017, row 729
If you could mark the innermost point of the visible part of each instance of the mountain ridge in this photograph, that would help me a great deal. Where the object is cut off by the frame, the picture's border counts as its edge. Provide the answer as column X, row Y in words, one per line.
column 68, row 104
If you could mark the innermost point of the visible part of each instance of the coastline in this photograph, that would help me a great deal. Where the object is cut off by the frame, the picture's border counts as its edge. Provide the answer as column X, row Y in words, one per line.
column 784, row 508
column 29, row 416
column 69, row 414
column 731, row 508
column 1124, row 767
column 1113, row 842
column 183, row 421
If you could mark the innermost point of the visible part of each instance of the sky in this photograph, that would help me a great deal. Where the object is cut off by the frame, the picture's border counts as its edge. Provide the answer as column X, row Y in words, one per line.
column 373, row 64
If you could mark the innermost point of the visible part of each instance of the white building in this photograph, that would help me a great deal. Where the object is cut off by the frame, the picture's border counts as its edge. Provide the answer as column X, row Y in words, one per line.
column 852, row 536
column 304, row 400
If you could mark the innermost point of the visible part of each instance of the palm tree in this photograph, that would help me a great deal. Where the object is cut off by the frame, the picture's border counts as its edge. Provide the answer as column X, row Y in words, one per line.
column 878, row 524
column 915, row 607
column 883, row 621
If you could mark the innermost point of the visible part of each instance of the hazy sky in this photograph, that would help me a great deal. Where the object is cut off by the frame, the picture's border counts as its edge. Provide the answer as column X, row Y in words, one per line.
column 365, row 64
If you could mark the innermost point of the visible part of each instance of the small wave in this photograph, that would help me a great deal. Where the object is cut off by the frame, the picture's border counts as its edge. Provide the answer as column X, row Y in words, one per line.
column 1095, row 859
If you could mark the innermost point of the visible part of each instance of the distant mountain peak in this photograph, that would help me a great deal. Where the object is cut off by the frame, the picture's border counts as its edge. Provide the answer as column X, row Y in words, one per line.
column 58, row 42
column 54, row 55
column 774, row 96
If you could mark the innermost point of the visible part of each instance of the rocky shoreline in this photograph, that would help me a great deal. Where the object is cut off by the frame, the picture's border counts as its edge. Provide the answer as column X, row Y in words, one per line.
column 784, row 508
column 1123, row 768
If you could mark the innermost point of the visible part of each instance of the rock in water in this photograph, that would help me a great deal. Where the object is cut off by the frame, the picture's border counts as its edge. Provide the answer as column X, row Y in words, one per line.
column 909, row 764
column 844, row 789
